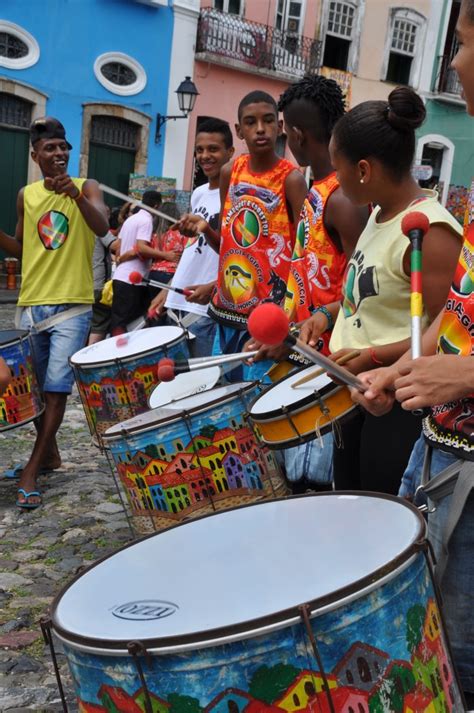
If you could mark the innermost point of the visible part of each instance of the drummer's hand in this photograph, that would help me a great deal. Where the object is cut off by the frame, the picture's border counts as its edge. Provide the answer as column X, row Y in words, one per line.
column 379, row 396
column 157, row 304
column 312, row 328
column 432, row 380
column 363, row 362
column 191, row 225
column 278, row 353
column 200, row 293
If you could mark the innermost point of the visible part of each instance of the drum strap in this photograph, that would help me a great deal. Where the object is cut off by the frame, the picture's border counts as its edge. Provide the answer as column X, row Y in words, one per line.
column 54, row 319
column 456, row 480
column 183, row 321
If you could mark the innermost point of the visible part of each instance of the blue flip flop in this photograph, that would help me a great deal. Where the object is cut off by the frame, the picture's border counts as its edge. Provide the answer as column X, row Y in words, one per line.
column 26, row 505
column 15, row 472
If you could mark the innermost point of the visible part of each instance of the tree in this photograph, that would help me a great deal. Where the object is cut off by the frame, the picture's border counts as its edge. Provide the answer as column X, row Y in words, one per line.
column 268, row 684
column 415, row 622
column 208, row 431
column 184, row 704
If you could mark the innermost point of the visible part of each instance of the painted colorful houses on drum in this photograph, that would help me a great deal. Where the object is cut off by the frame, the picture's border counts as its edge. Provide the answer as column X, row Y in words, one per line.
column 173, row 477
column 18, row 403
column 365, row 680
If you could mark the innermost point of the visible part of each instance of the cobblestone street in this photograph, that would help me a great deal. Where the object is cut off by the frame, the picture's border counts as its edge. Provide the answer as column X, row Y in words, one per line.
column 80, row 521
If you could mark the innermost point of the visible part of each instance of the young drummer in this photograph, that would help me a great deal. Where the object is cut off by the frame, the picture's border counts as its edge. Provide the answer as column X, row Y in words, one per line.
column 327, row 233
column 262, row 195
column 372, row 149
column 445, row 382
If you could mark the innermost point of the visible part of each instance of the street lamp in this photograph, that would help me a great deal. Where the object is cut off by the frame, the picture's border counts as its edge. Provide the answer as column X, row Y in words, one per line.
column 187, row 94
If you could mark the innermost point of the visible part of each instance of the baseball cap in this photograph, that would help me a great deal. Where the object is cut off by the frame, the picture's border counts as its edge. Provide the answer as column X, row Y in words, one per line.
column 47, row 127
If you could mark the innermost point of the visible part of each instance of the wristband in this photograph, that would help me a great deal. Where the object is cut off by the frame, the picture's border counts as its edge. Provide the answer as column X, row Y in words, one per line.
column 328, row 316
column 79, row 195
column 373, row 357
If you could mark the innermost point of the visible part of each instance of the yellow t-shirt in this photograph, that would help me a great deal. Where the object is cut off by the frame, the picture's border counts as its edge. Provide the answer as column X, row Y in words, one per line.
column 57, row 249
column 375, row 307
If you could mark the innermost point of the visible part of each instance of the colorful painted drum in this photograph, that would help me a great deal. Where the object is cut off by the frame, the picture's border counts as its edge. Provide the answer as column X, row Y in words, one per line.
column 114, row 382
column 187, row 384
column 22, row 401
column 192, row 457
column 288, row 605
column 286, row 415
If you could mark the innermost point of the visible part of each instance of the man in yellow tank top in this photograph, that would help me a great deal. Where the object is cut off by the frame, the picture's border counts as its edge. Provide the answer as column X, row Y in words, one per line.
column 58, row 219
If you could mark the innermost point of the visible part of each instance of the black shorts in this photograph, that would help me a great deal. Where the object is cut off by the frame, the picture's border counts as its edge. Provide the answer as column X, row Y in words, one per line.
column 129, row 302
column 100, row 323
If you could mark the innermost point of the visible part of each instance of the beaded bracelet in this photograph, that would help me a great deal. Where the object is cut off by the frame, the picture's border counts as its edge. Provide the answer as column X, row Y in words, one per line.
column 327, row 314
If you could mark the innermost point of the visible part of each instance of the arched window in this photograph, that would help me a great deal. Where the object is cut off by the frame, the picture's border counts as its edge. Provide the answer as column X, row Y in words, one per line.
column 364, row 670
column 341, row 29
column 404, row 46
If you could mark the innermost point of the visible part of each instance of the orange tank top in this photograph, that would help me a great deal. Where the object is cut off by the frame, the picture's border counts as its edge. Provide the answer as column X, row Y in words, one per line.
column 317, row 266
column 257, row 239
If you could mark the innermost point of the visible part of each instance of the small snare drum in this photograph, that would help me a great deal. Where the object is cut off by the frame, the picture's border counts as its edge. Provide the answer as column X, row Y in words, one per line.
column 114, row 381
column 21, row 402
column 287, row 416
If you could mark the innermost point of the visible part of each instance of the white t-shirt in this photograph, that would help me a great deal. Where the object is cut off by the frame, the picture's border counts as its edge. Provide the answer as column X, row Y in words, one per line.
column 199, row 262
column 138, row 227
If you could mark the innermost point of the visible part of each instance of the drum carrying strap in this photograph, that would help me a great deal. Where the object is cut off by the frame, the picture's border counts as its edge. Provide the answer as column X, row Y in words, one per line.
column 53, row 320
column 186, row 321
column 456, row 480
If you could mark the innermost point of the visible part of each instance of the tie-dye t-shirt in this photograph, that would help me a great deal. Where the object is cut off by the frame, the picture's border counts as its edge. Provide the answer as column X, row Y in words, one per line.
column 451, row 426
column 57, row 249
column 257, row 239
column 317, row 266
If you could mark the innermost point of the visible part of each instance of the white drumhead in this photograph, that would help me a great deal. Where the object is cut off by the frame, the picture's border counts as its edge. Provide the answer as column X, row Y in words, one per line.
column 236, row 566
column 187, row 384
column 283, row 393
column 171, row 411
column 134, row 343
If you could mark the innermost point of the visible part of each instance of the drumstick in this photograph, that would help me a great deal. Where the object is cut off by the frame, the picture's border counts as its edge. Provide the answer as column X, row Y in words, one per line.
column 135, row 201
column 168, row 369
column 136, row 278
column 269, row 324
column 415, row 225
column 317, row 372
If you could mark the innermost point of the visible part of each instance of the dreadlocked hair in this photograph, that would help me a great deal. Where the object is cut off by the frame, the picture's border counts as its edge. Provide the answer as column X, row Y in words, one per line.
column 314, row 103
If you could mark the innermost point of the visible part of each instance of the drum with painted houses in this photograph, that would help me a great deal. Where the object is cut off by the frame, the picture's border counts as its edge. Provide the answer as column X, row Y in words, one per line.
column 193, row 456
column 264, row 609
column 115, row 377
column 21, row 401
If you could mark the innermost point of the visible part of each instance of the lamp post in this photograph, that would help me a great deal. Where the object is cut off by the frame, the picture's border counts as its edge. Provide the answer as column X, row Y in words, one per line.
column 187, row 94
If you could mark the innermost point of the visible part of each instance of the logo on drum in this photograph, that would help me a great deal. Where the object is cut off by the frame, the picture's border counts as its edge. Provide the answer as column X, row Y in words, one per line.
column 145, row 610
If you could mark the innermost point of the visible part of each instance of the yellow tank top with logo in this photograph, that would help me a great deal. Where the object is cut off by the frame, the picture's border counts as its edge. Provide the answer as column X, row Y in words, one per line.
column 257, row 239
column 375, row 306
column 57, row 249
column 317, row 266
column 451, row 426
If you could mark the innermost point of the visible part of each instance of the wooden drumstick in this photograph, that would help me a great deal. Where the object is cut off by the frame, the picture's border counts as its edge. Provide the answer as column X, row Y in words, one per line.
column 317, row 372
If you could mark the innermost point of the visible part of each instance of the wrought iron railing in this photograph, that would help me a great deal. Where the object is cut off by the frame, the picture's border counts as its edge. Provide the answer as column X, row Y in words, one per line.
column 262, row 46
column 448, row 81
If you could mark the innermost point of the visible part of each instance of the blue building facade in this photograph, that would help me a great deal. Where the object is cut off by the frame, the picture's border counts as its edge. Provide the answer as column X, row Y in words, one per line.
column 102, row 67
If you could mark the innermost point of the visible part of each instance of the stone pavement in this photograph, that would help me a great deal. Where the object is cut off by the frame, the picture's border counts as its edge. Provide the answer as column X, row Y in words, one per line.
column 40, row 550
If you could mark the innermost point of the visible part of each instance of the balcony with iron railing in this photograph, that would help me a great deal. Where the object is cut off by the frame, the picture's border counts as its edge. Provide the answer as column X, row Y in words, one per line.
column 250, row 46
column 448, row 80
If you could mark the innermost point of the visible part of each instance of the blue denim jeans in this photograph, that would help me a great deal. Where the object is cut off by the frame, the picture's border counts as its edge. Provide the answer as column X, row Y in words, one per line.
column 312, row 460
column 457, row 586
column 54, row 346
column 231, row 341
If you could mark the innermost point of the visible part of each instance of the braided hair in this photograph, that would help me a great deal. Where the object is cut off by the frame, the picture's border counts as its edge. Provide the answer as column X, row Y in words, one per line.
column 315, row 103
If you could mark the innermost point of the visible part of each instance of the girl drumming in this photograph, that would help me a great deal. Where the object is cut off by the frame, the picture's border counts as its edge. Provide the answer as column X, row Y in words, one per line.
column 372, row 150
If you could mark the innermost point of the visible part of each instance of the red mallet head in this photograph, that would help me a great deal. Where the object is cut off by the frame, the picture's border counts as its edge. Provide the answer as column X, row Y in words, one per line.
column 122, row 340
column 415, row 220
column 135, row 277
column 268, row 324
column 166, row 369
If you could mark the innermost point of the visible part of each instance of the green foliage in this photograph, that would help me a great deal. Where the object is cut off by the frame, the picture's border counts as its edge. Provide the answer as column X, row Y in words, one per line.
column 184, row 704
column 268, row 684
column 208, row 431
column 415, row 620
